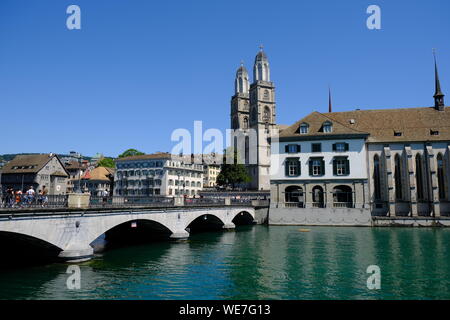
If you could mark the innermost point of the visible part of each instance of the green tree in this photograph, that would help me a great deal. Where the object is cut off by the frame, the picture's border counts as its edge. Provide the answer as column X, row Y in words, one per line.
column 232, row 174
column 131, row 152
column 106, row 162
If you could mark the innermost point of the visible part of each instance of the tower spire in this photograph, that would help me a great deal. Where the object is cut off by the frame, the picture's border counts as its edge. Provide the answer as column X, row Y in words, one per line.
column 329, row 100
column 438, row 95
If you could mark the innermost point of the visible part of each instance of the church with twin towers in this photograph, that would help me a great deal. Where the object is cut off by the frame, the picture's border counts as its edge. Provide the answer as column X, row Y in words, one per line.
column 253, row 119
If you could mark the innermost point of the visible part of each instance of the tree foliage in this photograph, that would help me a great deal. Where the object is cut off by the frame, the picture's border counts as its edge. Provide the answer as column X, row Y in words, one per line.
column 131, row 152
column 106, row 162
column 232, row 174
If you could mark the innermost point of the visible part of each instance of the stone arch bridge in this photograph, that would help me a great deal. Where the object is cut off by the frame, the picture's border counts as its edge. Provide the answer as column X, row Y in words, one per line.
column 72, row 232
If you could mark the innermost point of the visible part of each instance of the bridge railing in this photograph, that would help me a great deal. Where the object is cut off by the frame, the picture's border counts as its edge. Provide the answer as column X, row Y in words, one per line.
column 130, row 201
column 21, row 201
column 25, row 202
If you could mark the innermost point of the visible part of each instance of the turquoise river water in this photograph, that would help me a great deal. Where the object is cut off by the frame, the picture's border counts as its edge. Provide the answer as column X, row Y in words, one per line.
column 254, row 262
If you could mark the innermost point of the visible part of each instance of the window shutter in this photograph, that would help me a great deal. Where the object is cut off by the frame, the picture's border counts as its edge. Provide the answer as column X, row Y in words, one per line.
column 310, row 168
column 286, row 168
column 299, row 149
column 334, row 146
column 334, row 167
column 286, row 148
column 347, row 166
column 346, row 147
column 322, row 167
column 298, row 168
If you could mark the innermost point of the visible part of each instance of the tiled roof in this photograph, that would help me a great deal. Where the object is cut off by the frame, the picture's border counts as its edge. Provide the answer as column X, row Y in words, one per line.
column 32, row 163
column 383, row 125
column 99, row 174
column 158, row 155
column 315, row 121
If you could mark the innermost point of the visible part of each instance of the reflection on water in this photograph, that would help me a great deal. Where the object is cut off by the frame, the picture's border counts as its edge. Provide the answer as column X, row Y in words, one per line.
column 256, row 262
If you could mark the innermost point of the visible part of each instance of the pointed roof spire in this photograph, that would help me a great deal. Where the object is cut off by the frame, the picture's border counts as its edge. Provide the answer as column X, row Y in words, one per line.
column 438, row 95
column 329, row 100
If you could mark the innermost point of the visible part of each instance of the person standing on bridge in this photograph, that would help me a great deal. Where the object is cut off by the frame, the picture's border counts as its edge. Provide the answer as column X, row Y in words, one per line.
column 44, row 196
column 30, row 195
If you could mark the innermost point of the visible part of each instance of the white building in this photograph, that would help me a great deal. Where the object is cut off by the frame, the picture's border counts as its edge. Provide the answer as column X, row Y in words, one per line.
column 319, row 163
column 159, row 174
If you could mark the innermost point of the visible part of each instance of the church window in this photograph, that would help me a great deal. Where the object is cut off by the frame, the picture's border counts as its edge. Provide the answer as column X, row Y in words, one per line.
column 266, row 116
column 398, row 178
column 441, row 176
column 419, row 177
column 377, row 177
column 245, row 126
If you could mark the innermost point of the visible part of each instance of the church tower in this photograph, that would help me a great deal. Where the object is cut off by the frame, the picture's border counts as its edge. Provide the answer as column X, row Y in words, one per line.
column 240, row 102
column 253, row 119
column 262, row 120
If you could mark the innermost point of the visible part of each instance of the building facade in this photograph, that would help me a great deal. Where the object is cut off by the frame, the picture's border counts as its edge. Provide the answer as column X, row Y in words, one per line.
column 98, row 180
column 37, row 170
column 390, row 162
column 319, row 164
column 159, row 174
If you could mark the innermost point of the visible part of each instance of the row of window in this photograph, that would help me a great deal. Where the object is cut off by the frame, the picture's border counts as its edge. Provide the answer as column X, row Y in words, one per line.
column 185, row 183
column 341, row 167
column 131, row 165
column 420, row 180
column 139, row 192
column 316, row 147
column 327, row 127
column 183, row 192
column 139, row 183
column 183, row 173
column 131, row 173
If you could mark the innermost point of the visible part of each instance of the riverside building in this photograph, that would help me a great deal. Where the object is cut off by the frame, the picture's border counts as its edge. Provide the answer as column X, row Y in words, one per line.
column 158, row 174
column 343, row 167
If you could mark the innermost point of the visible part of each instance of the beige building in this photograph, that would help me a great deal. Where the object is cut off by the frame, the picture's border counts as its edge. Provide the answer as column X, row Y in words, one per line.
column 36, row 170
column 210, row 173
column 98, row 180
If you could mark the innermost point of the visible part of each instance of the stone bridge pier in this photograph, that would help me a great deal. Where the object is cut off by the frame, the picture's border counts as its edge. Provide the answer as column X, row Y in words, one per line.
column 72, row 233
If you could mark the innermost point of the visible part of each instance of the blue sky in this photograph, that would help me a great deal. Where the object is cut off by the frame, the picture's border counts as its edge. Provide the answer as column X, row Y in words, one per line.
column 138, row 69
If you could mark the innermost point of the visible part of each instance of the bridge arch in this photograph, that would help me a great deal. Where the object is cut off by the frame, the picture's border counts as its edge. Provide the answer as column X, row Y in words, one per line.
column 206, row 221
column 17, row 247
column 243, row 217
column 129, row 225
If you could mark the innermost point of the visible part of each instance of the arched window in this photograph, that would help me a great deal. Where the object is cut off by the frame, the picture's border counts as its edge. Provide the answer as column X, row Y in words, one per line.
column 317, row 197
column 398, row 178
column 266, row 115
column 293, row 194
column 377, row 177
column 441, row 175
column 245, row 125
column 419, row 177
column 342, row 197
column 247, row 150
